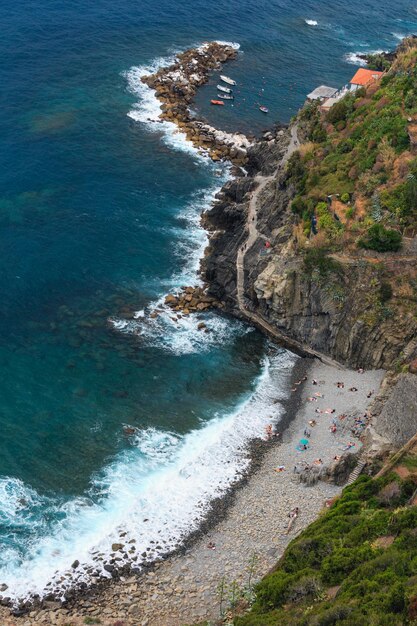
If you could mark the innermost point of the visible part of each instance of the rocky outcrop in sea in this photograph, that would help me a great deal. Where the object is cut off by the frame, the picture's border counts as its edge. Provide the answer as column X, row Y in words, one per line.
column 175, row 87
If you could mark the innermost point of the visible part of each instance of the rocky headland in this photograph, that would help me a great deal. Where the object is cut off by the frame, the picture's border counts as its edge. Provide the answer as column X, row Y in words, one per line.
column 175, row 87
column 318, row 293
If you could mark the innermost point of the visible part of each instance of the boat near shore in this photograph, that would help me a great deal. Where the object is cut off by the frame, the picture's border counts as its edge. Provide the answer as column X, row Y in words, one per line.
column 226, row 96
column 224, row 89
column 218, row 102
column 227, row 80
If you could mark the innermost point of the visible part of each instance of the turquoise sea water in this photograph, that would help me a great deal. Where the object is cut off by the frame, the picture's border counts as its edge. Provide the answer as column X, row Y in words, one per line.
column 99, row 217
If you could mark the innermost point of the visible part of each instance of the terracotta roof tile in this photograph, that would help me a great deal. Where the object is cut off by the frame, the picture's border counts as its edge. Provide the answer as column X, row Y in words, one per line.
column 364, row 77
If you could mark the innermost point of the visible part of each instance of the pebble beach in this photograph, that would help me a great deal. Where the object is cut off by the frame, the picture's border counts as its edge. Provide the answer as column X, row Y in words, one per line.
column 253, row 534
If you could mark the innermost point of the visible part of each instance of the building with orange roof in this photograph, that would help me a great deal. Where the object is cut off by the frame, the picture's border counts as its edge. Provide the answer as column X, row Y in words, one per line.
column 363, row 78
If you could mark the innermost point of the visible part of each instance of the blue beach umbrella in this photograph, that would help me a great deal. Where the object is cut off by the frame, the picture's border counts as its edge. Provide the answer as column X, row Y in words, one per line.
column 304, row 442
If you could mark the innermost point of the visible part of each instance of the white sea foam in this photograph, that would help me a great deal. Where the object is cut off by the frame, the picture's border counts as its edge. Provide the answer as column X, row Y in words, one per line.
column 157, row 492
column 399, row 36
column 148, row 108
column 355, row 59
column 182, row 336
column 232, row 44
column 311, row 22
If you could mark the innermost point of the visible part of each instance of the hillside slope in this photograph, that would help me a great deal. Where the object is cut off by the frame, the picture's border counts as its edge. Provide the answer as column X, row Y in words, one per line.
column 334, row 263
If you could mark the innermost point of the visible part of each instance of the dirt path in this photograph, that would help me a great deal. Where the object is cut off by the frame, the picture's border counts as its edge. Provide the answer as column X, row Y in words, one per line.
column 252, row 219
column 253, row 236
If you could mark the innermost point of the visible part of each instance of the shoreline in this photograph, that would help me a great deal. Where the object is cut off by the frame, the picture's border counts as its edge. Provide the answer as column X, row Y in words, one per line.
column 175, row 86
column 221, row 509
column 232, row 148
column 183, row 588
column 257, row 449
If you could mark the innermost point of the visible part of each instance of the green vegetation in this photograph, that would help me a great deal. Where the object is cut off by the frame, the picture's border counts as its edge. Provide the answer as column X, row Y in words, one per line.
column 360, row 152
column 378, row 62
column 381, row 239
column 317, row 260
column 355, row 566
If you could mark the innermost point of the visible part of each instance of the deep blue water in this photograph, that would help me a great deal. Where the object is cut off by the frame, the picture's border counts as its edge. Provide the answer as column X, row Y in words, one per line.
column 99, row 217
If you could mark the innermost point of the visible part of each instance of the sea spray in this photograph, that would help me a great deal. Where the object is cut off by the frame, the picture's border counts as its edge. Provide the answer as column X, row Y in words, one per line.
column 156, row 493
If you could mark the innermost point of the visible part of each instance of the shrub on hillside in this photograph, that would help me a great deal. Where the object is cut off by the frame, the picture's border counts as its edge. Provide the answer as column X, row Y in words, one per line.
column 378, row 62
column 381, row 239
column 316, row 259
column 338, row 112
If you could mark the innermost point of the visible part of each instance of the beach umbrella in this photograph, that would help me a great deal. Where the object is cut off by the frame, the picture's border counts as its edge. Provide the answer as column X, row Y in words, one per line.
column 304, row 442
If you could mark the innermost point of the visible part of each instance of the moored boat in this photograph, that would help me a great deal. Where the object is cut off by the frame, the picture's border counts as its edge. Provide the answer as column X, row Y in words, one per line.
column 218, row 102
column 224, row 89
column 227, row 80
column 264, row 109
column 225, row 96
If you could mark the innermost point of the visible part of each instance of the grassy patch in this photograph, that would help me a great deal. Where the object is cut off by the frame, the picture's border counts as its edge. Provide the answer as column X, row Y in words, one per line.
column 376, row 581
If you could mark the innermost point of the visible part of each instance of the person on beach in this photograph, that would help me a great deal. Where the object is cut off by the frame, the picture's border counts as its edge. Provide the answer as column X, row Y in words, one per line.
column 314, row 381
column 293, row 516
column 211, row 545
column 333, row 428
column 353, row 389
column 312, row 422
column 269, row 432
column 280, row 468
column 340, row 385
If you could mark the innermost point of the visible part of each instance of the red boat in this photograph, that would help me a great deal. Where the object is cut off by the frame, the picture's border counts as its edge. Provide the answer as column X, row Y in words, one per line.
column 219, row 102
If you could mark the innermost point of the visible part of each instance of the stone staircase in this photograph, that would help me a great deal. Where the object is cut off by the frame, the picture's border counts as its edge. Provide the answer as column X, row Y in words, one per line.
column 357, row 470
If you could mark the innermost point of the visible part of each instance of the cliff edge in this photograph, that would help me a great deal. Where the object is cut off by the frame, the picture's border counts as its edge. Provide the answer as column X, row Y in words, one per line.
column 317, row 243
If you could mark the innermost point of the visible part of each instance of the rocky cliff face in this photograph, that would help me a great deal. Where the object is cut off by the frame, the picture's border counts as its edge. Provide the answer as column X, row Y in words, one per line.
column 335, row 310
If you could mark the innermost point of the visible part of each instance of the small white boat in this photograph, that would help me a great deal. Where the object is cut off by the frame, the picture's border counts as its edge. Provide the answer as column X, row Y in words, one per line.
column 224, row 89
column 264, row 109
column 225, row 96
column 228, row 80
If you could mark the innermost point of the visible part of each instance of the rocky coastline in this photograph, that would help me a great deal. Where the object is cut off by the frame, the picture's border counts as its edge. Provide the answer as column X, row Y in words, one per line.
column 183, row 587
column 81, row 595
column 175, row 87
column 275, row 287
